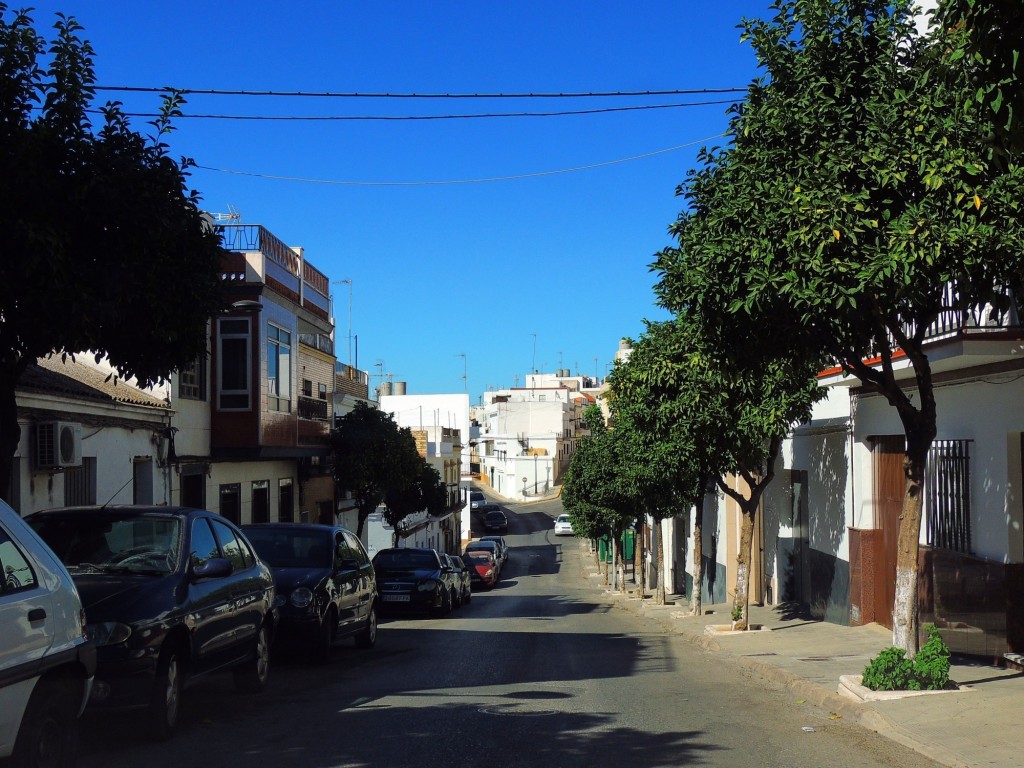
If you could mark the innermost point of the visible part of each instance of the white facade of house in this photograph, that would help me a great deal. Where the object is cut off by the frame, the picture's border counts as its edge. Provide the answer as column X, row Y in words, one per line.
column 526, row 437
column 419, row 411
column 117, row 430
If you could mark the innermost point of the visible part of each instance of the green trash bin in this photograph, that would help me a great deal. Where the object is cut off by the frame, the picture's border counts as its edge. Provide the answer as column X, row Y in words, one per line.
column 628, row 545
column 604, row 549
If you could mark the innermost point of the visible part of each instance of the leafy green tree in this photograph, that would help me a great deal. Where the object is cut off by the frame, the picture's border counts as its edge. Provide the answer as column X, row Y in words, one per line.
column 854, row 206
column 376, row 461
column 989, row 34
column 590, row 488
column 104, row 247
column 423, row 491
column 659, row 391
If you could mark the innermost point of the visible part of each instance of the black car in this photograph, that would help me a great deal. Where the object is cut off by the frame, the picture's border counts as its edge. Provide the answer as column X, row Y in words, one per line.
column 496, row 522
column 170, row 594
column 414, row 579
column 326, row 587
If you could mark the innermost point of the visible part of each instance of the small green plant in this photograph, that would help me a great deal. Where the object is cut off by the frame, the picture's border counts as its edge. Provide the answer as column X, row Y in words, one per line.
column 737, row 612
column 891, row 670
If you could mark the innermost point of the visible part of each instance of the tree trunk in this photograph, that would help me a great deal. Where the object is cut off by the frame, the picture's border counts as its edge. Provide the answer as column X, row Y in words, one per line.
column 741, row 600
column 659, row 568
column 696, row 608
column 640, row 555
column 905, row 606
column 615, row 564
column 607, row 559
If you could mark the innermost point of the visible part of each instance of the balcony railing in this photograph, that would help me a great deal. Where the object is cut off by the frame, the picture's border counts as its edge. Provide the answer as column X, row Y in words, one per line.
column 312, row 408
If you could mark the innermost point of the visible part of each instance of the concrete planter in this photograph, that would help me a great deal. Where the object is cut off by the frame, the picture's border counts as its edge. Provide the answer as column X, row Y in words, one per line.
column 850, row 687
column 730, row 629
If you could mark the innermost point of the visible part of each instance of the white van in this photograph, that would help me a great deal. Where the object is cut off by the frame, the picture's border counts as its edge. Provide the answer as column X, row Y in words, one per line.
column 46, row 662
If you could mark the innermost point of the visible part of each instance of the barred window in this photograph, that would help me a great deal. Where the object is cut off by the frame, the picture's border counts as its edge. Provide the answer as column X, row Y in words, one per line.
column 947, row 496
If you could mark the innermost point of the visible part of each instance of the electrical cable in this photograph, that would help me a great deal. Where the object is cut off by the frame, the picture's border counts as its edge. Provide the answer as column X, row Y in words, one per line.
column 455, row 181
column 399, row 118
column 335, row 94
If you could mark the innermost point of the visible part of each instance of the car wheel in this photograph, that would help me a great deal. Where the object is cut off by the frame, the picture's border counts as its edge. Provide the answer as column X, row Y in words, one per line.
column 445, row 607
column 368, row 636
column 325, row 637
column 456, row 599
column 251, row 676
column 165, row 703
column 48, row 737
column 469, row 595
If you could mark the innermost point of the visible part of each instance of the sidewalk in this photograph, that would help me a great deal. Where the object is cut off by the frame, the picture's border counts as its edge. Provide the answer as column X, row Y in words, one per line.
column 979, row 725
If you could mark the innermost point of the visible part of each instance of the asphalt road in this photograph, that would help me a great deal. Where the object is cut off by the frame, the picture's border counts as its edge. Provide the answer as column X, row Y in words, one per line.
column 539, row 671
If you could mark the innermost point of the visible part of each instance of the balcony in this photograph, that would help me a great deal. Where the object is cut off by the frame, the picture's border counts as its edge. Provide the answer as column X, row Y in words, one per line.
column 312, row 408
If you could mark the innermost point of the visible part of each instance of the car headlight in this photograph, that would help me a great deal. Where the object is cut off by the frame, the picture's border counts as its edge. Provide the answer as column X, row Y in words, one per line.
column 490, row 572
column 301, row 597
column 427, row 586
column 108, row 632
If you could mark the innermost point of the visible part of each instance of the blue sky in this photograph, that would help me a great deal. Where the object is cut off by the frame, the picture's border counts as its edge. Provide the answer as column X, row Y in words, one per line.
column 550, row 270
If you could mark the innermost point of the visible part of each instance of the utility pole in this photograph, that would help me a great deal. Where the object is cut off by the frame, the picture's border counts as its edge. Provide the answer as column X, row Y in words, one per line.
column 348, row 281
column 465, row 372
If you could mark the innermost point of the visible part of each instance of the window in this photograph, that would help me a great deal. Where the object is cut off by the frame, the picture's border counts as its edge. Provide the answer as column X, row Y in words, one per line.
column 234, row 343
column 321, row 391
column 193, row 486
column 237, row 554
column 231, row 501
column 203, row 546
column 947, row 496
column 307, row 388
column 261, row 501
column 279, row 369
column 15, row 572
column 192, row 380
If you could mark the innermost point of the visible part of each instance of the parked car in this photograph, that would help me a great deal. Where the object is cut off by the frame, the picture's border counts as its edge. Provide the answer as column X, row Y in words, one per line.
column 476, row 499
column 491, row 548
column 171, row 594
column 563, row 526
column 464, row 578
column 502, row 547
column 324, row 582
column 488, row 506
column 414, row 579
column 46, row 662
column 496, row 521
column 483, row 570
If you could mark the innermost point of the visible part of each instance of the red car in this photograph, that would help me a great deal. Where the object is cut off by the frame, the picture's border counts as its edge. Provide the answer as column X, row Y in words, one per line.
column 482, row 570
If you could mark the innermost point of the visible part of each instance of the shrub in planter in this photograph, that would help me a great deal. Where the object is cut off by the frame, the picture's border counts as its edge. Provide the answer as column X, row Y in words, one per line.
column 891, row 670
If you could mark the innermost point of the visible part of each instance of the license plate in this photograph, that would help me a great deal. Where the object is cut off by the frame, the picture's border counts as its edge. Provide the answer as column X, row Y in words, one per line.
column 395, row 598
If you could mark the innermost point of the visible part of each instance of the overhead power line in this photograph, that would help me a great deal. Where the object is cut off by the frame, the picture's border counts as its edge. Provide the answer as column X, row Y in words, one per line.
column 456, row 181
column 399, row 118
column 343, row 95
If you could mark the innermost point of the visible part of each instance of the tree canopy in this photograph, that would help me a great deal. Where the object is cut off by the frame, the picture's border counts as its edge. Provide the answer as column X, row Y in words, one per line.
column 377, row 462
column 854, row 205
column 105, row 248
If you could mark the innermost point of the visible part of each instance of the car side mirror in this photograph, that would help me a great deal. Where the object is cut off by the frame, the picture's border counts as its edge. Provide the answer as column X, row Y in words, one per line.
column 214, row 568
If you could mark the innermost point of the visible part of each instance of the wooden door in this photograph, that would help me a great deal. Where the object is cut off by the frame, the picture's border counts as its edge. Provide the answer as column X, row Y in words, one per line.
column 889, row 487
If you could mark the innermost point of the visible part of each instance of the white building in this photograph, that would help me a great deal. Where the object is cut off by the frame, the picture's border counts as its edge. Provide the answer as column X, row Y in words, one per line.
column 528, row 434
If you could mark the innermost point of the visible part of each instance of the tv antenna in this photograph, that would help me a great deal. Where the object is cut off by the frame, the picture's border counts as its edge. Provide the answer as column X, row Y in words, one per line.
column 233, row 215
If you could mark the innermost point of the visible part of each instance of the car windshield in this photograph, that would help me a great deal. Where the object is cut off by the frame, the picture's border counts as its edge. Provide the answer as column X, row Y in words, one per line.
column 563, row 518
column 291, row 548
column 399, row 558
column 481, row 557
column 495, row 516
column 141, row 543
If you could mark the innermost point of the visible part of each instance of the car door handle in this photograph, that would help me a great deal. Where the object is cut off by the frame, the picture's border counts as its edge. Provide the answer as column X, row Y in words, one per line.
column 37, row 614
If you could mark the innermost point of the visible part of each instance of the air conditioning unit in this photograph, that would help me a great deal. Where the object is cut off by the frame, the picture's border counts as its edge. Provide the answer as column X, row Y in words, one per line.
column 58, row 444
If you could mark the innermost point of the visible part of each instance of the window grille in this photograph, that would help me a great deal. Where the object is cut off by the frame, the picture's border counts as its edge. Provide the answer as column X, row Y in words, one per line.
column 947, row 496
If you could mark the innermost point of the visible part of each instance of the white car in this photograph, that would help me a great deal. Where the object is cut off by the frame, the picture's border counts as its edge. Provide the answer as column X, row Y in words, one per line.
column 46, row 663
column 563, row 526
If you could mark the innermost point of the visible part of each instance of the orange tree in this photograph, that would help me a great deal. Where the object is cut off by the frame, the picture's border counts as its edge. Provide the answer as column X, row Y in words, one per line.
column 855, row 202
column 104, row 248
